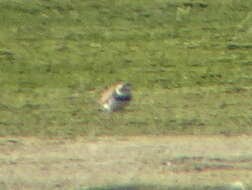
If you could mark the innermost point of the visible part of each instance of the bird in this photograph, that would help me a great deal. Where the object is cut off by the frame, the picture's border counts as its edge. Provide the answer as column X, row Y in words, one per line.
column 116, row 98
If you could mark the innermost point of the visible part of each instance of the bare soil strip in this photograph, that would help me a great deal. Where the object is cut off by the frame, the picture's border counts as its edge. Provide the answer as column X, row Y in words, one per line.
column 33, row 163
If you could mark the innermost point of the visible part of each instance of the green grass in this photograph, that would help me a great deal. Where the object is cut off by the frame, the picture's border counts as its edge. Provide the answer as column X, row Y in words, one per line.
column 190, row 63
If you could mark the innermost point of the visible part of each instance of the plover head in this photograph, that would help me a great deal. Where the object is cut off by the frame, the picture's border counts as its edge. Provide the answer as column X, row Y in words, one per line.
column 123, row 89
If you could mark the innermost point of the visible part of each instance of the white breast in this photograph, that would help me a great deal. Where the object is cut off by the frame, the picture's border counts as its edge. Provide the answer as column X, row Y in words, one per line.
column 113, row 105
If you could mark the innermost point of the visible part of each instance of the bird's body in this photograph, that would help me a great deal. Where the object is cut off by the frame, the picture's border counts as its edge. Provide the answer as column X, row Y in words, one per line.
column 116, row 97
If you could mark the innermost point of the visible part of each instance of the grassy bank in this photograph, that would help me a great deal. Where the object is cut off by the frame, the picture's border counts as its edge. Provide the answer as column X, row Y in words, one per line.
column 190, row 64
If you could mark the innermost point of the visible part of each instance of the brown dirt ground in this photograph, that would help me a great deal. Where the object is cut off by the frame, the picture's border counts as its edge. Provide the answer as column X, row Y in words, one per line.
column 36, row 163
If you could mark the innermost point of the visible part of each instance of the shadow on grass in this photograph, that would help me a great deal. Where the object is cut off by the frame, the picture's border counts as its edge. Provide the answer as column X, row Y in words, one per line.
column 164, row 187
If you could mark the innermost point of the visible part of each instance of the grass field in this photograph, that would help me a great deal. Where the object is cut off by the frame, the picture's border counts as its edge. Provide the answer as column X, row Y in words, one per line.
column 189, row 61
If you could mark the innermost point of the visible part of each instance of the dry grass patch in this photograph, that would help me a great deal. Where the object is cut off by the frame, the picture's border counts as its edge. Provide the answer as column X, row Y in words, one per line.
column 31, row 163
